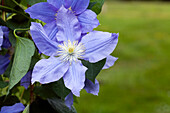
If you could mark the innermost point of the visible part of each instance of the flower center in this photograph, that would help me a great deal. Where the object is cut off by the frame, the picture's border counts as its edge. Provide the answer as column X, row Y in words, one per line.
column 69, row 51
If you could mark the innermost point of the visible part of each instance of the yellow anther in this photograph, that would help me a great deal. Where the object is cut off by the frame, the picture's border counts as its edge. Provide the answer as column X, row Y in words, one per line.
column 70, row 50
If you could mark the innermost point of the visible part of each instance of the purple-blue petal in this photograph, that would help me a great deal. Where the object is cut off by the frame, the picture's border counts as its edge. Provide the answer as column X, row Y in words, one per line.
column 16, row 108
column 56, row 3
column 110, row 60
column 4, row 40
column 68, row 25
column 67, row 3
column 69, row 100
column 4, row 62
column 91, row 87
column 99, row 45
column 42, row 11
column 42, row 41
column 51, row 30
column 26, row 80
column 1, row 37
column 75, row 77
column 49, row 70
column 79, row 6
column 88, row 21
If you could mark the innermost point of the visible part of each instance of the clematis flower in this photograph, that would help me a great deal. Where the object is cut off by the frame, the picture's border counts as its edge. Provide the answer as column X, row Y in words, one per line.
column 16, row 108
column 4, row 43
column 90, row 87
column 47, row 12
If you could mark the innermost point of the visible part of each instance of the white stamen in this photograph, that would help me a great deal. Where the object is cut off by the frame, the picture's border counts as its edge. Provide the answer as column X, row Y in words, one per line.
column 70, row 51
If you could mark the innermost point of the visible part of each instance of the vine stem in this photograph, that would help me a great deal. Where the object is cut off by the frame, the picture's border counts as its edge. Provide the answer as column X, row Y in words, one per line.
column 3, row 12
column 31, row 93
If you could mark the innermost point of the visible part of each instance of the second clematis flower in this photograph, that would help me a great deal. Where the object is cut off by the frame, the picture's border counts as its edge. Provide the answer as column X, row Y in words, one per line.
column 47, row 12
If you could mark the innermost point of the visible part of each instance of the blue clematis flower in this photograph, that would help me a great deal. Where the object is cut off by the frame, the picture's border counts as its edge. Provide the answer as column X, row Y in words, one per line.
column 67, row 50
column 90, row 87
column 16, row 108
column 47, row 12
column 4, row 43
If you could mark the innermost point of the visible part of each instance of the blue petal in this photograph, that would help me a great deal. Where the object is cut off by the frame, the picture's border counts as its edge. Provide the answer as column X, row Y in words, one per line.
column 42, row 41
column 26, row 80
column 4, row 62
column 1, row 37
column 49, row 70
column 4, row 40
column 110, row 60
column 56, row 3
column 75, row 77
column 42, row 11
column 79, row 5
column 51, row 30
column 16, row 108
column 69, row 100
column 88, row 21
column 67, row 3
column 92, row 88
column 68, row 25
column 99, row 45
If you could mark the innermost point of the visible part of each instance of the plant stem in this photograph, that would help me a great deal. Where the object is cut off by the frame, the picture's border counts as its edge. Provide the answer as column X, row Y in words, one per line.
column 3, row 12
column 31, row 93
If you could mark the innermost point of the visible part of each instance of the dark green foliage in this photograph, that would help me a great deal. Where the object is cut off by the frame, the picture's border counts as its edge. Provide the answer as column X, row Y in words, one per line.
column 32, row 2
column 54, row 89
column 60, row 106
column 96, row 5
column 8, row 101
column 93, row 69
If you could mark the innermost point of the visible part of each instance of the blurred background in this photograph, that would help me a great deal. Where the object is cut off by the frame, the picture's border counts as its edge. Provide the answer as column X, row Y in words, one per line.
column 139, row 82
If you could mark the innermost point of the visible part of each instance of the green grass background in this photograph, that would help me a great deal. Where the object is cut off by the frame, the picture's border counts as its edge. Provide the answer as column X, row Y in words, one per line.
column 139, row 82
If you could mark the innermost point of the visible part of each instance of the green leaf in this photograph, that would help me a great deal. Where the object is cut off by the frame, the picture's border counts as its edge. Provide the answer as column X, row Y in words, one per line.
column 52, row 90
column 12, row 38
column 3, row 84
column 26, row 110
column 32, row 2
column 11, row 3
column 23, row 53
column 34, row 60
column 60, row 106
column 18, row 21
column 93, row 69
column 96, row 5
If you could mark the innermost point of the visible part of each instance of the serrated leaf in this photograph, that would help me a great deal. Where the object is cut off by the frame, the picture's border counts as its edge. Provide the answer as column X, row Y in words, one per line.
column 60, row 106
column 23, row 53
column 93, row 69
column 32, row 2
column 96, row 5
